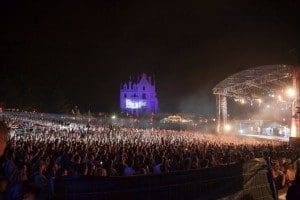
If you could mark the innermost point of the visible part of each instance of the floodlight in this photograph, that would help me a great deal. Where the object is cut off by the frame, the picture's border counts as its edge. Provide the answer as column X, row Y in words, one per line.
column 291, row 92
column 227, row 127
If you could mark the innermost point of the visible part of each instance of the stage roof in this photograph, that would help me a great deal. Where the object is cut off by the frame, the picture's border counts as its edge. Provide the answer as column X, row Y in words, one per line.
column 255, row 82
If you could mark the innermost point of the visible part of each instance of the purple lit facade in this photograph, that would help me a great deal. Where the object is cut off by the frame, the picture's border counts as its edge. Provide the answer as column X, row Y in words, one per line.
column 139, row 97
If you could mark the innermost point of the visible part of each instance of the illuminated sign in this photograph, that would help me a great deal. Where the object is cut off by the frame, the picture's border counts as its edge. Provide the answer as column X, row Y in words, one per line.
column 134, row 104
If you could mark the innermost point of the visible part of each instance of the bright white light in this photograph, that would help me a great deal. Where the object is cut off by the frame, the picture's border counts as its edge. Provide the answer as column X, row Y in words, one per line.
column 242, row 101
column 227, row 127
column 134, row 104
column 241, row 131
column 283, row 119
column 268, row 106
column 113, row 117
column 259, row 101
column 291, row 92
column 279, row 98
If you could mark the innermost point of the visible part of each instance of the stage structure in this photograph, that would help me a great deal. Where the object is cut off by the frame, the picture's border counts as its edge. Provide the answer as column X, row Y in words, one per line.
column 139, row 97
column 253, row 84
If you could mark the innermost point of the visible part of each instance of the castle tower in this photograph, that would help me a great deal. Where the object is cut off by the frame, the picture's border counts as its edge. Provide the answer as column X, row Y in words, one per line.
column 139, row 97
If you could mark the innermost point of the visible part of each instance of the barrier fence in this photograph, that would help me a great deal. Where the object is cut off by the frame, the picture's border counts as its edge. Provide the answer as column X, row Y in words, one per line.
column 248, row 181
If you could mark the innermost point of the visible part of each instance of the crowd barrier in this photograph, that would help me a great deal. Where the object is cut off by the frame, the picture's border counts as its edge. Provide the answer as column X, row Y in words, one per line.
column 248, row 181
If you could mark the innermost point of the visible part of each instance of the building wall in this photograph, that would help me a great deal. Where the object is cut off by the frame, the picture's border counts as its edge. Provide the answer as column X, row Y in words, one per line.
column 138, row 97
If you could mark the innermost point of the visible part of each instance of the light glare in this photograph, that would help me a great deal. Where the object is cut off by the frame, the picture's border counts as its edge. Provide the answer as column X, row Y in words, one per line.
column 291, row 92
column 227, row 128
column 259, row 101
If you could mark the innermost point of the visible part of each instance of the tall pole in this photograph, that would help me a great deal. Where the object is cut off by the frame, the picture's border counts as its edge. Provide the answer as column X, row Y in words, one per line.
column 218, row 113
column 224, row 110
column 295, row 126
column 221, row 101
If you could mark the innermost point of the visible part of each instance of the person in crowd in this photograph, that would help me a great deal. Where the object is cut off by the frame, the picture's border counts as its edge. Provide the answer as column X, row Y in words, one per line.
column 157, row 169
column 41, row 181
column 11, row 187
column 128, row 168
column 293, row 192
column 4, row 129
column 290, row 174
column 3, row 140
column 42, row 149
column 278, row 176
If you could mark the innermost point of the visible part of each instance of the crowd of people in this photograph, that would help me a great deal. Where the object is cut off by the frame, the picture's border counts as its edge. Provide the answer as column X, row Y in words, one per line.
column 40, row 150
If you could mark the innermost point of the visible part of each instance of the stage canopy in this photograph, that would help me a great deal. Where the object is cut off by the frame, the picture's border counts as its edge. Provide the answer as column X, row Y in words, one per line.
column 251, row 84
column 255, row 82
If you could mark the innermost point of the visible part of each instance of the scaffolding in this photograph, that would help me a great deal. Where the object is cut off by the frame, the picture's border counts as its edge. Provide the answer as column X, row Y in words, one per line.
column 250, row 84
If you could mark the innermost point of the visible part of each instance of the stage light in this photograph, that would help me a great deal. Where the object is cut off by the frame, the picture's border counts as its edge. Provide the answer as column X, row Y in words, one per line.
column 291, row 92
column 113, row 117
column 259, row 101
column 268, row 106
column 227, row 127
column 241, row 131
column 242, row 101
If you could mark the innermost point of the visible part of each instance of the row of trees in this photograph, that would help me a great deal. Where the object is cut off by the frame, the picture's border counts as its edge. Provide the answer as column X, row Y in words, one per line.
column 40, row 90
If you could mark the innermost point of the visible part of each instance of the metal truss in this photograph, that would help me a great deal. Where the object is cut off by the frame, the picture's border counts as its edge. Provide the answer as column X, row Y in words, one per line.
column 255, row 82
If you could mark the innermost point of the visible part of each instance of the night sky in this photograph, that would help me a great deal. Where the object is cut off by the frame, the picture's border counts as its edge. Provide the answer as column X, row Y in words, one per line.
column 61, row 52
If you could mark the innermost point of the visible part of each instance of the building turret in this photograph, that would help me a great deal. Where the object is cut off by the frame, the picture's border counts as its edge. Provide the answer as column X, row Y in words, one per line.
column 139, row 97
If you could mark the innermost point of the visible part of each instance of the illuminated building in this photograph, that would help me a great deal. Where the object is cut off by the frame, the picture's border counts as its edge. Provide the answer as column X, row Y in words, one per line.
column 138, row 97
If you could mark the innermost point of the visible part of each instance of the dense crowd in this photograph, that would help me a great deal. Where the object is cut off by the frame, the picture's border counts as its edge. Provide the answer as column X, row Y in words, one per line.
column 41, row 150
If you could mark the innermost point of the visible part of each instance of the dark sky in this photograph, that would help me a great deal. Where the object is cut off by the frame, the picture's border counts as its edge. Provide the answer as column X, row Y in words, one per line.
column 85, row 49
